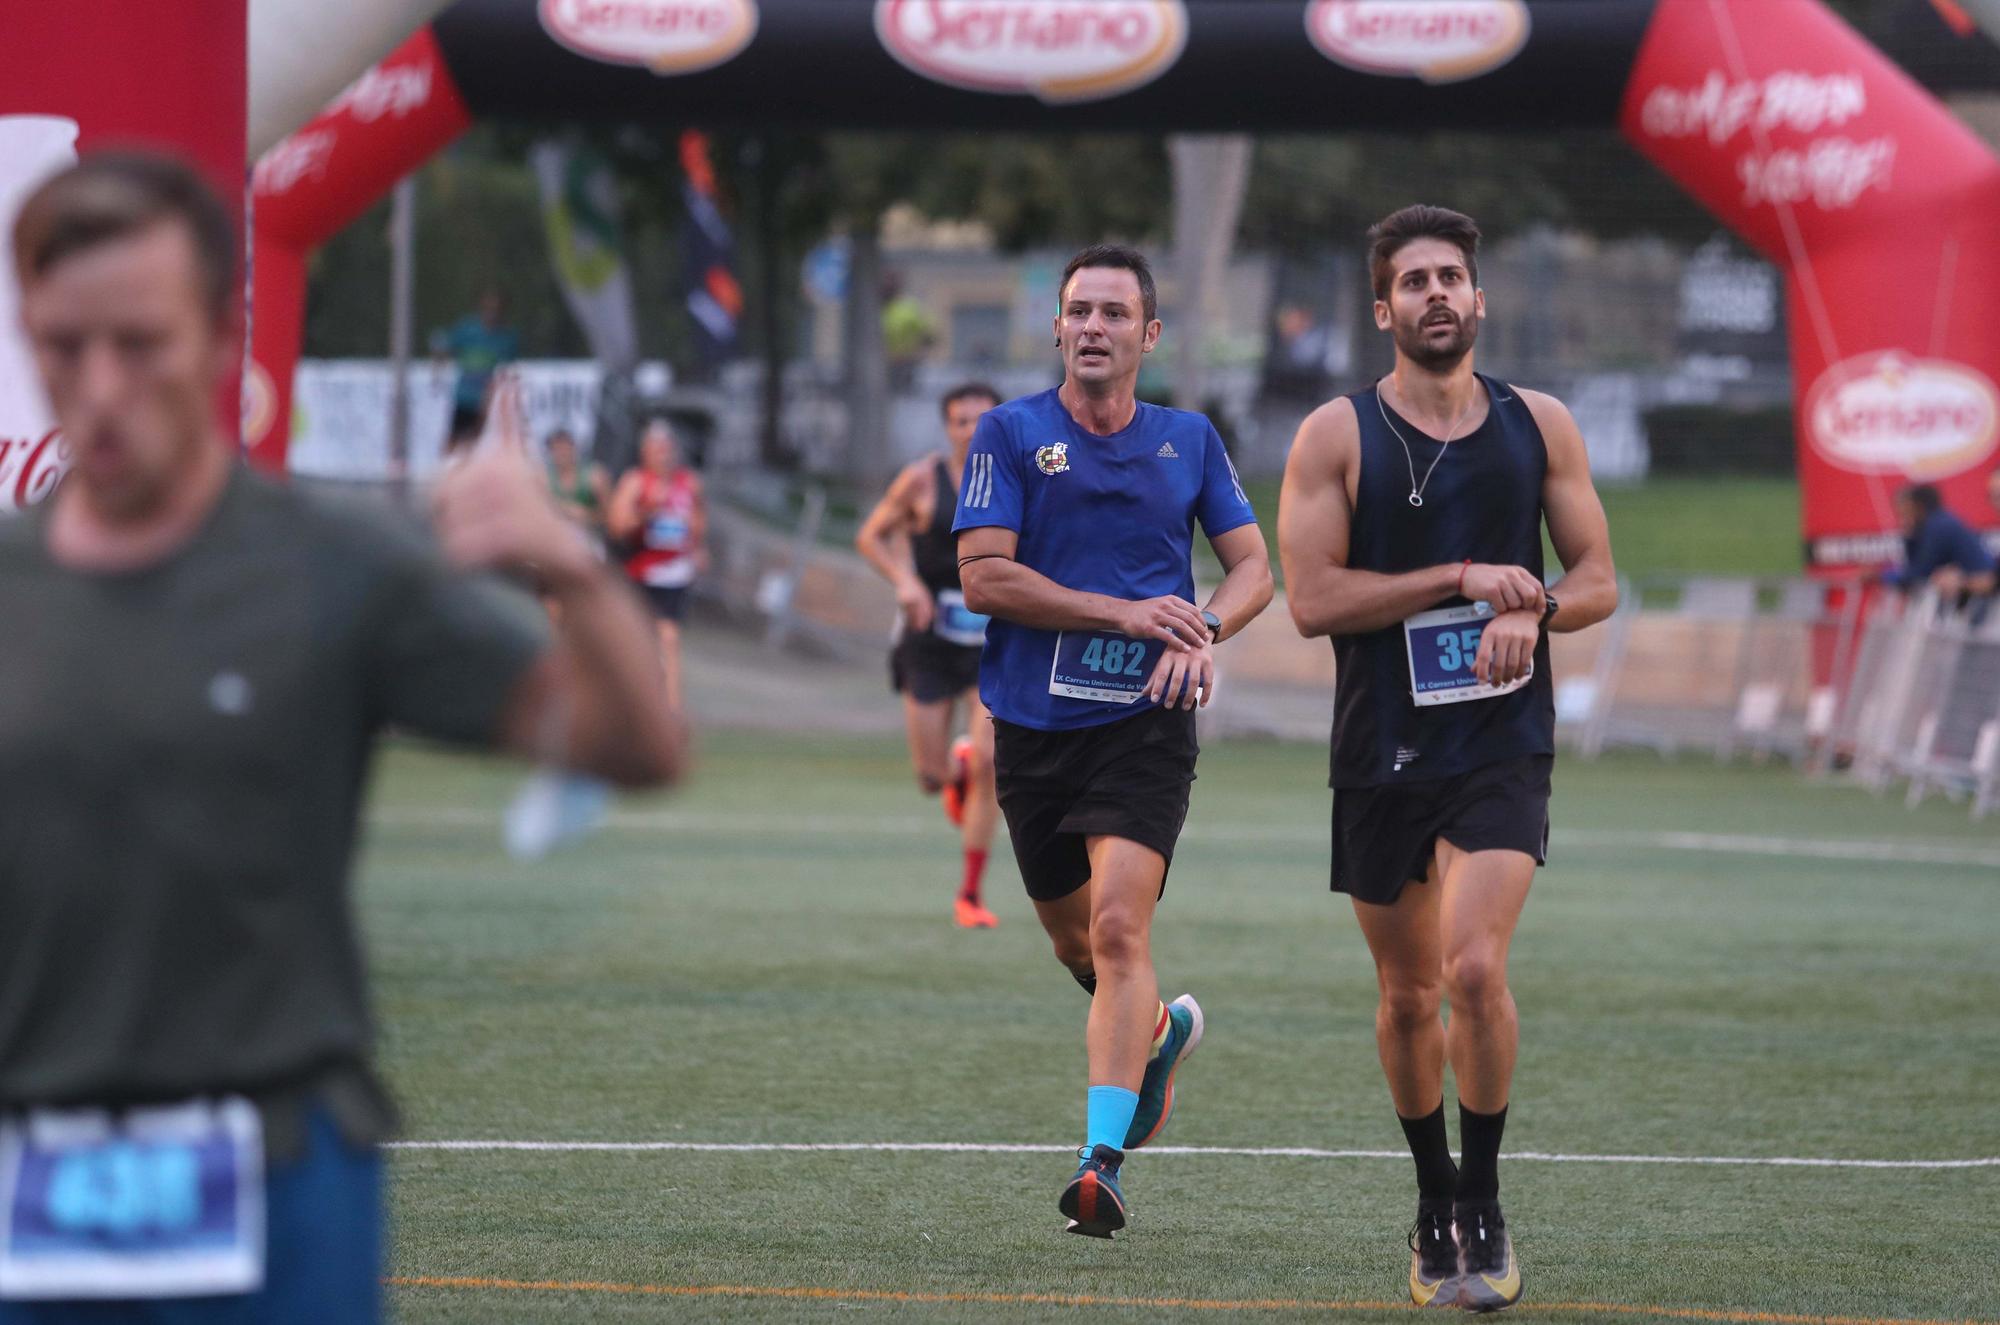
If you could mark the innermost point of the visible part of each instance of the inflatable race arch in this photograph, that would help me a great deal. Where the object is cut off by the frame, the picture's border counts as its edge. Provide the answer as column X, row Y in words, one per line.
column 1880, row 207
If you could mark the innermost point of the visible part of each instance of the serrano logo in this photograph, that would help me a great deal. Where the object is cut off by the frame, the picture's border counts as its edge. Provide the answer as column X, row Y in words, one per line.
column 1056, row 50
column 1439, row 41
column 666, row 36
column 1890, row 413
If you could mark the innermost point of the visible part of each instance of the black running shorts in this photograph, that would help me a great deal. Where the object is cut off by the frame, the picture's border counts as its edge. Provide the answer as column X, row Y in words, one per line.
column 930, row 670
column 1384, row 836
column 1126, row 779
column 668, row 603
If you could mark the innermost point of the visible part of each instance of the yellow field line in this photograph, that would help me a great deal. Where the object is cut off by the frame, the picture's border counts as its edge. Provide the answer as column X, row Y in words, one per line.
column 1091, row 1300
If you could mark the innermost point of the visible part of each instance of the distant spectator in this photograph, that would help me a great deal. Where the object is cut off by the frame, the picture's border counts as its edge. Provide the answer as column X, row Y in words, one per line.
column 1940, row 550
column 658, row 509
column 478, row 344
column 581, row 489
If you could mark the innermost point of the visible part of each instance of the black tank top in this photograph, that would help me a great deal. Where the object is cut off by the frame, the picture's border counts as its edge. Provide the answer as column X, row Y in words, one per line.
column 1483, row 502
column 935, row 547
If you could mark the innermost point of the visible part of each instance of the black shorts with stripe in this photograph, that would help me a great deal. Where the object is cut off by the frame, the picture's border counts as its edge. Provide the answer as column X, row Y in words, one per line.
column 1384, row 836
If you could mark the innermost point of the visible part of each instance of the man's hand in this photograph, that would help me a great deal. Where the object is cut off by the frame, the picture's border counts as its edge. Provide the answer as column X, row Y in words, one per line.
column 1507, row 646
column 494, row 512
column 1949, row 581
column 1175, row 620
column 1183, row 679
column 1507, row 588
column 915, row 600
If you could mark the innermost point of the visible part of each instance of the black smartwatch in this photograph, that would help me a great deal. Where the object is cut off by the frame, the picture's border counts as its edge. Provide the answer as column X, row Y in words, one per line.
column 1214, row 624
column 1549, row 609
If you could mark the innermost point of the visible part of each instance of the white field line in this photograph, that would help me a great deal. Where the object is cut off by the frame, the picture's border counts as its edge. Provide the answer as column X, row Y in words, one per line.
column 1257, row 1152
column 1903, row 851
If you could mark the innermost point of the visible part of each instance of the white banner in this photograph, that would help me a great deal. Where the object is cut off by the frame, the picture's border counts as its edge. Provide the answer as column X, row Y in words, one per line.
column 340, row 411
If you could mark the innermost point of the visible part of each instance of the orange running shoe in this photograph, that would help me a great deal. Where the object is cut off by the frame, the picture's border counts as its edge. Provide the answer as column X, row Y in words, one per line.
column 972, row 915
column 954, row 792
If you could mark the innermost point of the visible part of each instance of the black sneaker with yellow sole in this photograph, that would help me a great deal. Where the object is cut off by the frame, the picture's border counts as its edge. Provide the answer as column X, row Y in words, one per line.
column 1434, row 1273
column 1491, row 1277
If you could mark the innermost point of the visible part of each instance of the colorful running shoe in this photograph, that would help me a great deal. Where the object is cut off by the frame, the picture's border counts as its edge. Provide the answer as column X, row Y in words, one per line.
column 1094, row 1205
column 974, row 915
column 1434, row 1273
column 1492, row 1277
column 954, row 792
column 1156, row 1091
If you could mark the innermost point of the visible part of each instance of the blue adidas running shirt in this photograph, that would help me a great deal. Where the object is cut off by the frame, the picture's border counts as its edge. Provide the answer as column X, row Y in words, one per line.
column 1111, row 515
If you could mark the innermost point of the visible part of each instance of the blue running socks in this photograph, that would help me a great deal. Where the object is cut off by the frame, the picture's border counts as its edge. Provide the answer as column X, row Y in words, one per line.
column 1108, row 1116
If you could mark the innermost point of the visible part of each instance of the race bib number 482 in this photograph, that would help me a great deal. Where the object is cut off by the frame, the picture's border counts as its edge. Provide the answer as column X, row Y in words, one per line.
column 1102, row 665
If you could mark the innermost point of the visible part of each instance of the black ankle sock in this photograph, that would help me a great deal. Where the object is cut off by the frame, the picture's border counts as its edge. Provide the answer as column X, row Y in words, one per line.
column 1437, row 1176
column 1088, row 979
column 1479, row 1178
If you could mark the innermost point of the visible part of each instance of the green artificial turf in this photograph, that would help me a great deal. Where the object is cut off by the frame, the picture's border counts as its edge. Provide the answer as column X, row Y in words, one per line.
column 768, row 957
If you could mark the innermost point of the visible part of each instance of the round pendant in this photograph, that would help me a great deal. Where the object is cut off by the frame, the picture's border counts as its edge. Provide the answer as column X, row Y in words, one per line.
column 1416, row 500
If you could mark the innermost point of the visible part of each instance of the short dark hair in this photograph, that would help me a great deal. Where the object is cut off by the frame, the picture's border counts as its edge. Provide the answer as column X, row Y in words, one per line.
column 1387, row 237
column 116, row 195
column 1924, row 496
column 964, row 391
column 1115, row 255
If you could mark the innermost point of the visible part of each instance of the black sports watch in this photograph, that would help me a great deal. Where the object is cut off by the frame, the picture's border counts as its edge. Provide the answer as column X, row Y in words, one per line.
column 1214, row 624
column 1549, row 608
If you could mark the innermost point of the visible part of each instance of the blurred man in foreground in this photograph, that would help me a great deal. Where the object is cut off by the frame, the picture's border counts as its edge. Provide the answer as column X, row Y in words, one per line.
column 193, row 668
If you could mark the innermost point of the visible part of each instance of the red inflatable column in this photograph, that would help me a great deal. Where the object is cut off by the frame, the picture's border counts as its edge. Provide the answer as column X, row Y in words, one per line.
column 84, row 74
column 317, row 181
column 1884, row 211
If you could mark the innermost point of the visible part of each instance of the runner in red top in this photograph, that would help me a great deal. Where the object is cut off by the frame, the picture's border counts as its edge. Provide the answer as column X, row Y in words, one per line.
column 658, row 510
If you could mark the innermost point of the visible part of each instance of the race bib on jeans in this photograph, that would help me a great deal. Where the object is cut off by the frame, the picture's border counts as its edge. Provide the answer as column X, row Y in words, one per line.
column 151, row 1203
column 1102, row 665
column 1443, row 645
column 955, row 623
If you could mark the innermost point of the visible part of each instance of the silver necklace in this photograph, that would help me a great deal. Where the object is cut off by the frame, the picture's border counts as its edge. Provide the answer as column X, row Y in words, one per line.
column 1416, row 488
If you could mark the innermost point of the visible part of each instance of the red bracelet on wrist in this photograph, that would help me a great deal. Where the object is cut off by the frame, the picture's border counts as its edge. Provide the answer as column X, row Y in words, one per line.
column 1464, row 566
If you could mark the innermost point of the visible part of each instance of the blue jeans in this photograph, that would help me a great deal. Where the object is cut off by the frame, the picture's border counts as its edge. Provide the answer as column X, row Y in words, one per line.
column 323, row 1258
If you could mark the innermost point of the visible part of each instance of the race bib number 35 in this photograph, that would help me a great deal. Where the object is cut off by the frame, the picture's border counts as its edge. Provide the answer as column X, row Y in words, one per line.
column 165, row 1202
column 1442, row 646
column 1102, row 666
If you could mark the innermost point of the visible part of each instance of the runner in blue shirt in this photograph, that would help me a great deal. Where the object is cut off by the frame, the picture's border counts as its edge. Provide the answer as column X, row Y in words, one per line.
column 1075, row 527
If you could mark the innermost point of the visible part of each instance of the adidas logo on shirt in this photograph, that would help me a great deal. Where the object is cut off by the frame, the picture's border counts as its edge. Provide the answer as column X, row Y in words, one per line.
column 1167, row 452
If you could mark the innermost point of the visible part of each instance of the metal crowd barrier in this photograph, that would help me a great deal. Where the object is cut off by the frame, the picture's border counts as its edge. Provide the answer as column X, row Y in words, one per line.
column 1724, row 664
column 1923, row 702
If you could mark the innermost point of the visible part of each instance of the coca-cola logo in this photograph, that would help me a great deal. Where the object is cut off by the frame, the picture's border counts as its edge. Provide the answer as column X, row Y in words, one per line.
column 1439, row 41
column 666, row 36
column 1055, row 50
column 30, row 468
column 1891, row 413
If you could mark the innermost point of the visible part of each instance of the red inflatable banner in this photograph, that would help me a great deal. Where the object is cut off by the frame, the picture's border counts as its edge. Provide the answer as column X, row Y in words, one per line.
column 86, row 74
column 1882, row 209
column 317, row 181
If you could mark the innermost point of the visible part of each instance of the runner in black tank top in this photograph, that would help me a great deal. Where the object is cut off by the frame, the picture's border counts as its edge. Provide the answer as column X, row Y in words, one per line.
column 1483, row 505
column 934, row 661
column 1411, row 530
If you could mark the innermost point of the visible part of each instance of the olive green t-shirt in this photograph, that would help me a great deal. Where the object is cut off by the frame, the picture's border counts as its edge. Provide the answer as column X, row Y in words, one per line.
column 182, row 757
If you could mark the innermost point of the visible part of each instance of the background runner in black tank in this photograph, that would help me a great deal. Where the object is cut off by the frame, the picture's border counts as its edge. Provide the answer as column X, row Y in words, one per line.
column 1482, row 502
column 934, row 662
column 1410, row 524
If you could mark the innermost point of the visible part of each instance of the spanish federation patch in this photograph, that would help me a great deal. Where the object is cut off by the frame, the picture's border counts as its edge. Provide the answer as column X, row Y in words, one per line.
column 1053, row 459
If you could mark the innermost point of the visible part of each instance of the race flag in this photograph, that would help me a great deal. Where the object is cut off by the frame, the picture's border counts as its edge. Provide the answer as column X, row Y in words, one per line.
column 714, row 299
column 580, row 213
